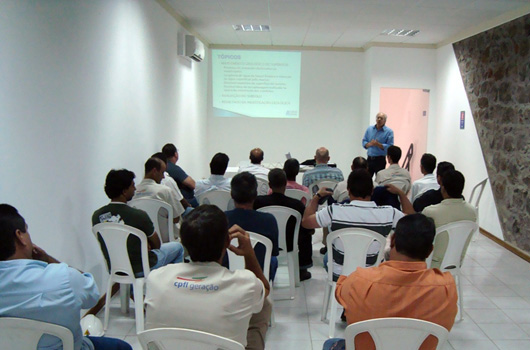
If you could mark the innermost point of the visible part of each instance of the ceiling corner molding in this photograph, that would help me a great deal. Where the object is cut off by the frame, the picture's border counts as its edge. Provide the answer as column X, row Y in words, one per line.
column 285, row 48
column 507, row 17
column 399, row 46
column 169, row 9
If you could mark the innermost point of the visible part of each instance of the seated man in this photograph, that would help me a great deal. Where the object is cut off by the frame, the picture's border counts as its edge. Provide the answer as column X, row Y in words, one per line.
column 400, row 287
column 452, row 208
column 428, row 181
column 244, row 190
column 231, row 304
column 172, row 184
column 183, row 180
column 322, row 171
column 119, row 187
column 431, row 197
column 394, row 174
column 360, row 212
column 292, row 168
column 36, row 286
column 357, row 163
column 278, row 183
column 217, row 180
column 255, row 167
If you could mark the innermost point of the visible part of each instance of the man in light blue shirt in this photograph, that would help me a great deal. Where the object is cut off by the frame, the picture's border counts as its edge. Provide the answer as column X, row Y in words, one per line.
column 216, row 181
column 36, row 286
column 376, row 140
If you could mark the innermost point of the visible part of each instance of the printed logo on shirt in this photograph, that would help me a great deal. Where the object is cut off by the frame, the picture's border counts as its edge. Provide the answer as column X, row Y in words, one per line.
column 108, row 217
column 195, row 283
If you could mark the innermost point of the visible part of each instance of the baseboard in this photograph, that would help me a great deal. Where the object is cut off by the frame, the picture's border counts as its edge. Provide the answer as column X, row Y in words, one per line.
column 101, row 302
column 520, row 253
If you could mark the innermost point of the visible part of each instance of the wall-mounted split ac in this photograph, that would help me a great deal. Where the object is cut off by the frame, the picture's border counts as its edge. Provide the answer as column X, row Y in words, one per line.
column 191, row 47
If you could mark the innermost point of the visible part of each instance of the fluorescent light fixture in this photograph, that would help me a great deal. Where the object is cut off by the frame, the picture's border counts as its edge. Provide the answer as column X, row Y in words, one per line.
column 252, row 27
column 400, row 32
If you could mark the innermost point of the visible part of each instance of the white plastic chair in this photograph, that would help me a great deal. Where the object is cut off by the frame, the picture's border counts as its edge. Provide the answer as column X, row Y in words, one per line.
column 152, row 208
column 24, row 334
column 115, row 237
column 458, row 233
column 396, row 333
column 263, row 186
column 475, row 200
column 343, row 196
column 220, row 198
column 299, row 195
column 282, row 215
column 356, row 242
column 315, row 186
column 185, row 339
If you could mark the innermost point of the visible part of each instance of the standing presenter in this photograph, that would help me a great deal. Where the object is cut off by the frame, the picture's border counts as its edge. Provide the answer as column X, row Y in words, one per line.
column 376, row 140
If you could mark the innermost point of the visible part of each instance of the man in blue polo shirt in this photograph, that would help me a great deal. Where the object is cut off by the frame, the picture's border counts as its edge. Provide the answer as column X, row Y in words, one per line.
column 376, row 140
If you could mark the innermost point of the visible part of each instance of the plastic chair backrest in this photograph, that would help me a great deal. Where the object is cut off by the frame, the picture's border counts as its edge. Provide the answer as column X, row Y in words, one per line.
column 263, row 186
column 24, row 334
column 478, row 189
column 315, row 186
column 115, row 237
column 236, row 262
column 220, row 198
column 356, row 242
column 152, row 207
column 396, row 333
column 185, row 339
column 343, row 196
column 282, row 215
column 458, row 233
column 299, row 195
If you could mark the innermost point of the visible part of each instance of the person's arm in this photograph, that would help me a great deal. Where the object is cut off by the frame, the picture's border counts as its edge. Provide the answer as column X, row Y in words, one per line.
column 39, row 254
column 245, row 250
column 310, row 217
column 388, row 142
column 406, row 206
column 366, row 140
column 154, row 241
column 189, row 182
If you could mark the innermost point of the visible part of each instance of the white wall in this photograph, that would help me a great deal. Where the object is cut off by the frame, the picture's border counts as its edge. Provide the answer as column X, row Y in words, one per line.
column 331, row 102
column 86, row 87
column 460, row 147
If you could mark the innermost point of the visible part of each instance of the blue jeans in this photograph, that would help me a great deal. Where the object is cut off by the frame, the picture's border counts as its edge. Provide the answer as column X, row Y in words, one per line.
column 169, row 253
column 104, row 343
column 274, row 268
column 334, row 344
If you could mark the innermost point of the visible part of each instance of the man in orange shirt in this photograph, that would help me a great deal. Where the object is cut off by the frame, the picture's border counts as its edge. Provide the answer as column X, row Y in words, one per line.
column 400, row 287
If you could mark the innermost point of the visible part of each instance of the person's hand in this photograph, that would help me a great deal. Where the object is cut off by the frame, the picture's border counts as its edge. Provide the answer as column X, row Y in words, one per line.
column 370, row 143
column 244, row 246
column 39, row 254
column 393, row 189
column 323, row 192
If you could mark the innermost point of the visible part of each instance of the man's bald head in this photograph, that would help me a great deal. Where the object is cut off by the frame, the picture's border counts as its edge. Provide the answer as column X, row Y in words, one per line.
column 256, row 156
column 322, row 155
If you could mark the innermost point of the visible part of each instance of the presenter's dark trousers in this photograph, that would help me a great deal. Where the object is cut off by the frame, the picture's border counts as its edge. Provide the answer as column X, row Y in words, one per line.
column 375, row 164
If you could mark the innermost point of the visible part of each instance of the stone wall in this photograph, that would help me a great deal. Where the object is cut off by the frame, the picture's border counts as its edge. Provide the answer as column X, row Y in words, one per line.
column 495, row 68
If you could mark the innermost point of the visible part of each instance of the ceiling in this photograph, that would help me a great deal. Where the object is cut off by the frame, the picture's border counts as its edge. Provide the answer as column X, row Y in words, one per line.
column 338, row 23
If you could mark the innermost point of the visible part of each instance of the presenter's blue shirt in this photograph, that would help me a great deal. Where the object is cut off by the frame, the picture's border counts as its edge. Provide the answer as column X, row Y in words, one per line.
column 385, row 136
column 53, row 293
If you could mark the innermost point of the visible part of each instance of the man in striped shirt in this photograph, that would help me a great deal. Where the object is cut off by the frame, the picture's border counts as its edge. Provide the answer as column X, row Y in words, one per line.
column 360, row 212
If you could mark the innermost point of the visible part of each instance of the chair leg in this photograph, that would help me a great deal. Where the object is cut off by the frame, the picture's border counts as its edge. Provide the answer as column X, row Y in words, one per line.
column 139, row 304
column 272, row 321
column 460, row 297
column 125, row 296
column 325, row 303
column 107, row 305
column 290, row 267
column 296, row 269
column 333, row 312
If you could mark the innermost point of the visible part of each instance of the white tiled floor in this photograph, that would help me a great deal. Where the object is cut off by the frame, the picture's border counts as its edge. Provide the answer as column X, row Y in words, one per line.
column 496, row 288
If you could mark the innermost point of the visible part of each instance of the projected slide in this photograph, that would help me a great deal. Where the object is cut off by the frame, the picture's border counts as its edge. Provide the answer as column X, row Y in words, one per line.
column 257, row 84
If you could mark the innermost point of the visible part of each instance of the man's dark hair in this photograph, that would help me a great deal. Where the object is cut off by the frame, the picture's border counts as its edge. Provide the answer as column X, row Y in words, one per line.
column 443, row 167
column 204, row 233
column 118, row 181
column 169, row 150
column 394, row 152
column 160, row 156
column 153, row 163
column 360, row 183
column 453, row 181
column 428, row 162
column 244, row 187
column 291, row 168
column 414, row 236
column 277, row 178
column 10, row 222
column 359, row 163
column 218, row 164
column 256, row 156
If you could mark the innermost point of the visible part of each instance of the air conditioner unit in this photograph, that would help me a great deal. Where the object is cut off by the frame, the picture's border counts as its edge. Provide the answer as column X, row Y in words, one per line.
column 193, row 48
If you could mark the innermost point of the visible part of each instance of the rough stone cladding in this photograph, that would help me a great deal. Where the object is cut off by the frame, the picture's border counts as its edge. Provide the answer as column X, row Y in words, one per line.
column 495, row 68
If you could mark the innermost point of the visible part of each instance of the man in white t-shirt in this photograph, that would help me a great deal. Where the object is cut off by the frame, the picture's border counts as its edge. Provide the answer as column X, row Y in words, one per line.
column 255, row 167
column 203, row 295
column 428, row 181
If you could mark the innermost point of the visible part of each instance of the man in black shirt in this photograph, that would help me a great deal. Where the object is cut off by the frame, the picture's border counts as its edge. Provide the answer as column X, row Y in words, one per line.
column 433, row 196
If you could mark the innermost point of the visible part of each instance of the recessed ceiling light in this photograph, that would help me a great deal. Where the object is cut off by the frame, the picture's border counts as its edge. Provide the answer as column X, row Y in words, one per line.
column 252, row 27
column 400, row 32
